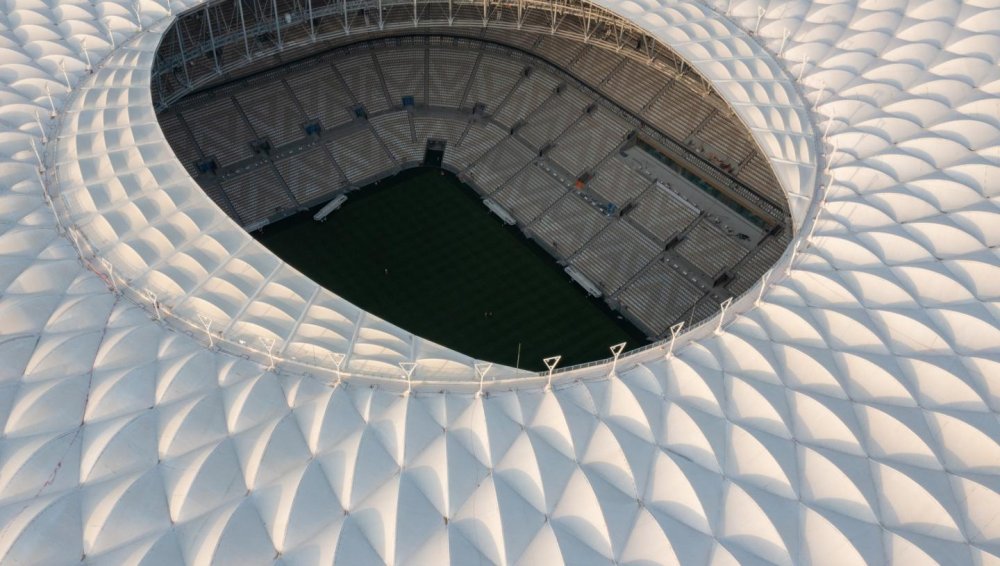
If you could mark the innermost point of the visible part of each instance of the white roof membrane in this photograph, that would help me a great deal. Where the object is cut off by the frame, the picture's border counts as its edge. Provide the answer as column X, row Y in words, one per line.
column 846, row 414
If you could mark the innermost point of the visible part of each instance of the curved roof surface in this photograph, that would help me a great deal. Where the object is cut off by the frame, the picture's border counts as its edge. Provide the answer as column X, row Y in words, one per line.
column 845, row 413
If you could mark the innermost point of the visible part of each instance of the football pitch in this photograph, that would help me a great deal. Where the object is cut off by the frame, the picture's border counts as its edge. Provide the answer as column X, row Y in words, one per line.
column 420, row 250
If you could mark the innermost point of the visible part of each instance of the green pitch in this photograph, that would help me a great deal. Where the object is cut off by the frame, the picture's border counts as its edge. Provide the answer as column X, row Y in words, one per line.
column 420, row 250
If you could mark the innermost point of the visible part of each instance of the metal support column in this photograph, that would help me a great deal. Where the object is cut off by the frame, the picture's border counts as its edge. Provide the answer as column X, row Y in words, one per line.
column 184, row 63
column 312, row 27
column 211, row 39
column 243, row 26
column 277, row 22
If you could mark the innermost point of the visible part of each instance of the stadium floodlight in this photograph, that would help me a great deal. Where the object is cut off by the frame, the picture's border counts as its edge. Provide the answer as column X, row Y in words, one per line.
column 408, row 368
column 812, row 228
column 481, row 369
column 674, row 331
column 819, row 96
column 833, row 153
column 551, row 363
column 110, row 267
column 206, row 323
column 760, row 16
column 616, row 351
column 784, row 40
column 150, row 296
column 111, row 34
column 269, row 349
column 802, row 67
column 62, row 69
column 86, row 55
column 38, row 156
column 723, row 306
column 826, row 129
column 763, row 287
column 38, row 120
column 137, row 8
column 52, row 105
column 338, row 359
column 791, row 256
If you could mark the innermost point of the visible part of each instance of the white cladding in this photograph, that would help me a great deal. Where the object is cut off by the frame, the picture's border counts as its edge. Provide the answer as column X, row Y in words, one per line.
column 848, row 416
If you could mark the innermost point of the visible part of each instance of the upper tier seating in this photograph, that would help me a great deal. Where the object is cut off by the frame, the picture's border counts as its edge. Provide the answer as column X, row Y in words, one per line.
column 310, row 175
column 618, row 182
column 588, row 142
column 448, row 75
column 660, row 296
column 403, row 69
column 220, row 131
column 615, row 256
column 569, row 224
column 270, row 115
column 663, row 212
column 360, row 156
column 365, row 85
column 529, row 193
column 322, row 96
column 710, row 249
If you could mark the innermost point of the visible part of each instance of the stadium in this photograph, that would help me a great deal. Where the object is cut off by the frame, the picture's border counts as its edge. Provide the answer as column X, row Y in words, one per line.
column 651, row 193
column 793, row 202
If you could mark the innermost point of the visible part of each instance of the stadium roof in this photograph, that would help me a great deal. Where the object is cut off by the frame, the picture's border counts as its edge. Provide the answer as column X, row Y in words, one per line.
column 846, row 412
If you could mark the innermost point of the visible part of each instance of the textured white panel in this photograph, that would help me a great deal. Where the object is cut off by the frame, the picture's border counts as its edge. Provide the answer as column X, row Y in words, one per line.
column 850, row 417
